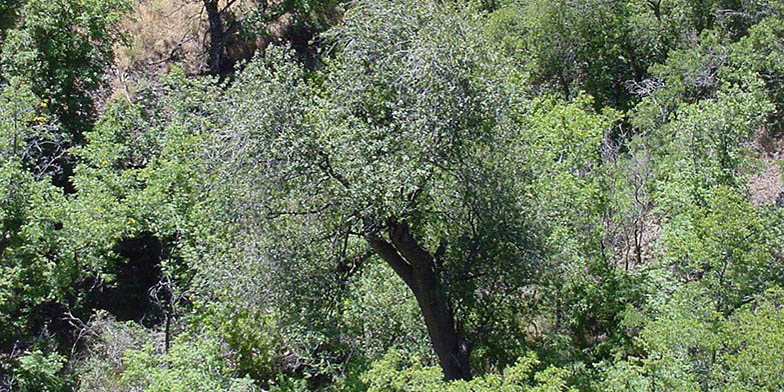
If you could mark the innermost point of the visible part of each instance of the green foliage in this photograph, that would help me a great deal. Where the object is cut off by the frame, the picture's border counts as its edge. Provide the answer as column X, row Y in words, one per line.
column 699, row 123
column 127, row 357
column 30, row 275
column 752, row 346
column 99, row 365
column 716, row 252
column 689, row 347
column 607, row 48
column 559, row 148
column 192, row 363
column 309, row 15
column 8, row 11
column 38, row 372
column 393, row 373
column 254, row 339
column 26, row 130
column 593, row 47
column 29, row 211
column 761, row 52
column 385, row 139
column 577, row 174
column 61, row 49
column 375, row 323
column 725, row 246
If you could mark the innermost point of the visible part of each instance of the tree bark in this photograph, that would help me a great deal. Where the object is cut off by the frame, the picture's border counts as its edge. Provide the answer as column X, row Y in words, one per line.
column 216, row 31
column 656, row 8
column 416, row 267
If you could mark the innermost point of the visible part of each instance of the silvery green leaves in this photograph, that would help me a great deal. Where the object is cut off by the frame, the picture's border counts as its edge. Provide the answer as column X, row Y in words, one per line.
column 409, row 98
column 393, row 135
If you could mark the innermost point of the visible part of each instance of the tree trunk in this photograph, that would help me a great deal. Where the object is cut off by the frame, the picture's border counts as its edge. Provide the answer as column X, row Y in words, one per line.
column 217, row 44
column 416, row 267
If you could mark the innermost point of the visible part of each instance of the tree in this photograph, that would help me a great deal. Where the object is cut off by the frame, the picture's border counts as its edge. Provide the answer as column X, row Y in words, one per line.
column 382, row 163
column 596, row 47
column 410, row 147
column 60, row 50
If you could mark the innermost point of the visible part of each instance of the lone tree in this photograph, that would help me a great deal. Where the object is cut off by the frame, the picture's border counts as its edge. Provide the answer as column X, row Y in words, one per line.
column 408, row 156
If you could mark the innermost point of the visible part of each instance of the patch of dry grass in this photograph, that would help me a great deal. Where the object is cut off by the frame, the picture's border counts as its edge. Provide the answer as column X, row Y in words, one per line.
column 767, row 186
column 161, row 32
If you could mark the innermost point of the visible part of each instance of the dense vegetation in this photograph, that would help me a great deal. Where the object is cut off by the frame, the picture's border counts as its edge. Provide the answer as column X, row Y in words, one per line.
column 391, row 195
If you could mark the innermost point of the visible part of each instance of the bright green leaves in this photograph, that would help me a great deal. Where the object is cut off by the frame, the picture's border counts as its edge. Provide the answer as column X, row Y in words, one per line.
column 698, row 122
column 559, row 152
column 37, row 372
column 393, row 373
column 30, row 209
column 752, row 338
column 715, row 251
column 127, row 136
column 52, row 60
column 61, row 49
column 559, row 147
column 28, row 241
column 713, row 136
column 688, row 346
column 677, row 339
column 725, row 246
column 761, row 52
column 254, row 337
column 19, row 114
column 192, row 363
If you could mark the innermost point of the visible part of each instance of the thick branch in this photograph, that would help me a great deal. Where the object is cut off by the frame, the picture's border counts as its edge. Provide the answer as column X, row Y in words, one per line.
column 390, row 255
column 409, row 248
